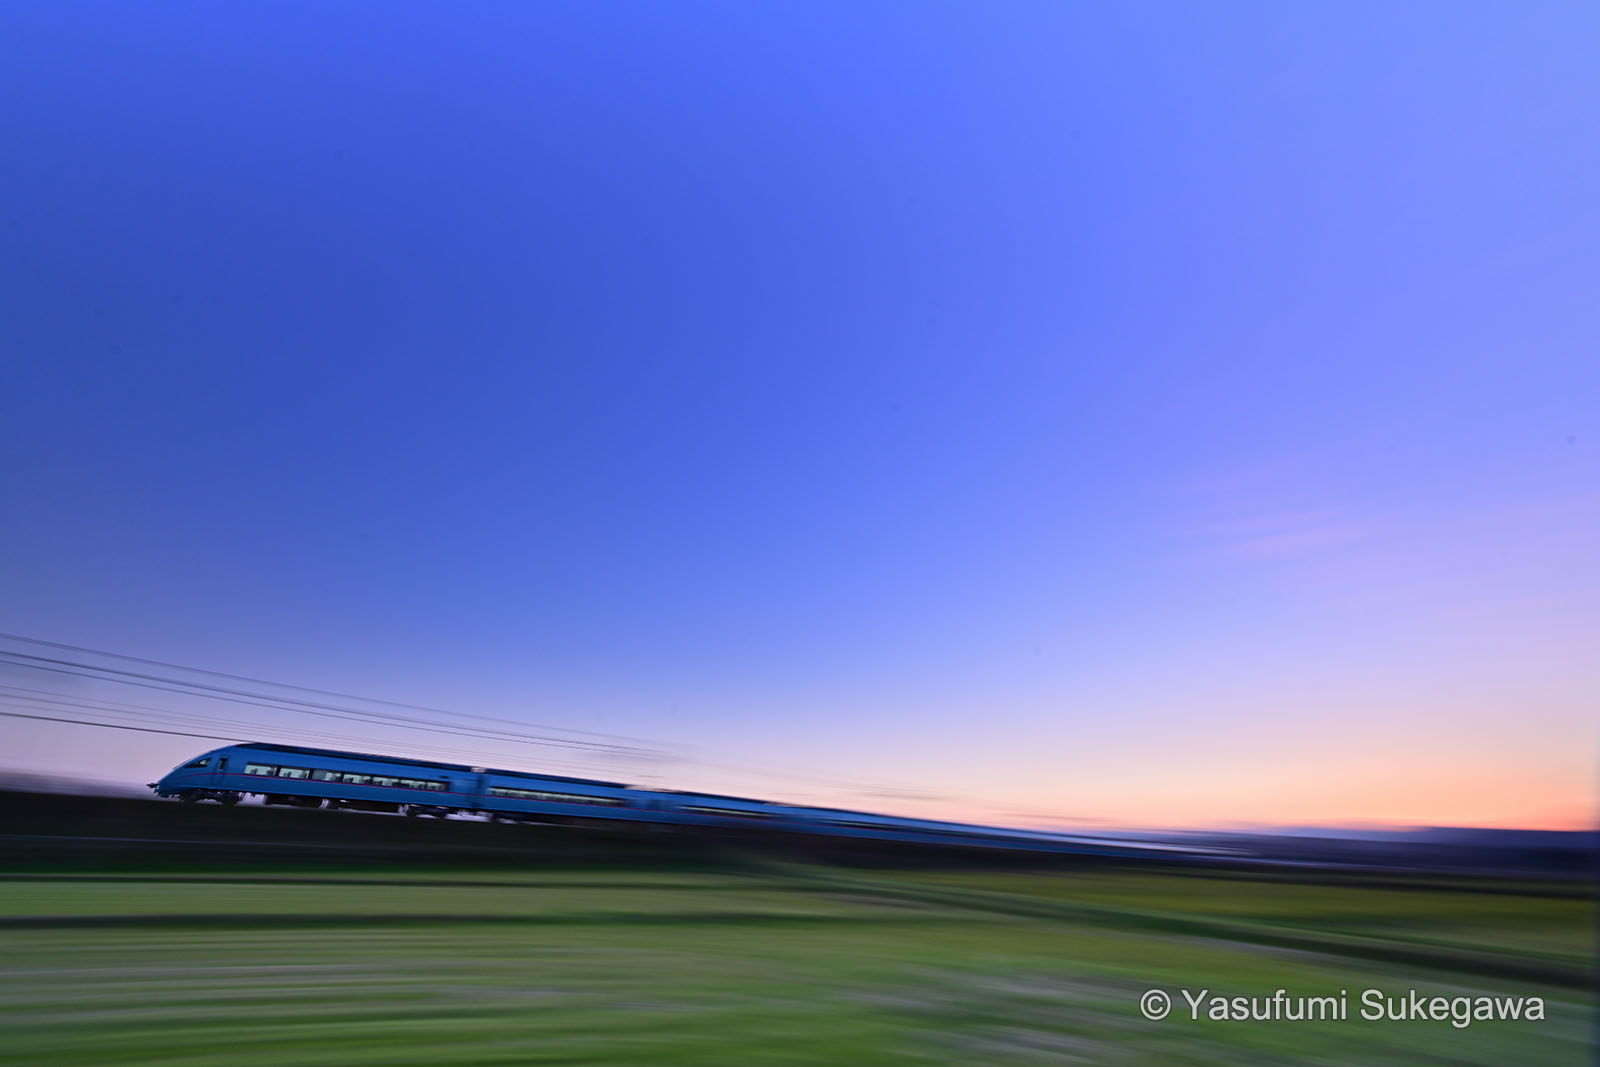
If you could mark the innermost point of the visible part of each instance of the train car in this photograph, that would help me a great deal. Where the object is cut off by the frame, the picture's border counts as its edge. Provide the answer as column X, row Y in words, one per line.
column 314, row 777
column 712, row 809
column 518, row 796
column 298, row 776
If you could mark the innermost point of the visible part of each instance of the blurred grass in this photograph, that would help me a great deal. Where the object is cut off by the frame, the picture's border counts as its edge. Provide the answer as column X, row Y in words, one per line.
column 787, row 964
column 1529, row 922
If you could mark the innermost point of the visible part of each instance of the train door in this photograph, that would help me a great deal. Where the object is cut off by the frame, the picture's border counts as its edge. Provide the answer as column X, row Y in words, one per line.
column 219, row 773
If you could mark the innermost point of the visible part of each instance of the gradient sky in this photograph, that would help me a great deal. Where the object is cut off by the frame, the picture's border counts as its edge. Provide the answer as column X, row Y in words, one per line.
column 1137, row 414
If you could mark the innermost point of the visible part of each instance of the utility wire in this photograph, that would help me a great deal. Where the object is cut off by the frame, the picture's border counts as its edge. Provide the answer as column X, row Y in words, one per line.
column 265, row 700
column 302, row 688
column 300, row 736
column 114, row 726
column 20, row 699
column 638, row 749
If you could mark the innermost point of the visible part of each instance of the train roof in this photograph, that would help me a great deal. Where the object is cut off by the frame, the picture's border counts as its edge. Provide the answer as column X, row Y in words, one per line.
column 300, row 750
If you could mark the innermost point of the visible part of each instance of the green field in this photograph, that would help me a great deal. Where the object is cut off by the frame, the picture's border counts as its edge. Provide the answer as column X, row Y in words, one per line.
column 773, row 964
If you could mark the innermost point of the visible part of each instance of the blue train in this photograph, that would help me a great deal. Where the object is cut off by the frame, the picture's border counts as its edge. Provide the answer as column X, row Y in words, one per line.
column 318, row 777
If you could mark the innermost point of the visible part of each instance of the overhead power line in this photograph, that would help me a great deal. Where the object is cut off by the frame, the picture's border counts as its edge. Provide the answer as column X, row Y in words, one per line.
column 38, row 700
column 114, row 726
column 305, row 688
column 618, row 747
column 179, row 685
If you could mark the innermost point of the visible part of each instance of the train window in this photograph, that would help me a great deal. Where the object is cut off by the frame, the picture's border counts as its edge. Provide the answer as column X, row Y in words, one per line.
column 551, row 798
column 734, row 813
column 386, row 780
column 260, row 768
column 196, row 763
column 293, row 772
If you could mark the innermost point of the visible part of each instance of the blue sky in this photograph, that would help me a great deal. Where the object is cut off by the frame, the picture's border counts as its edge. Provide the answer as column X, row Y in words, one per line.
column 1152, row 414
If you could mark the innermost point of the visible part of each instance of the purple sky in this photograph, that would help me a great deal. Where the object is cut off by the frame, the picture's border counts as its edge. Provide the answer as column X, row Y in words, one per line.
column 1148, row 414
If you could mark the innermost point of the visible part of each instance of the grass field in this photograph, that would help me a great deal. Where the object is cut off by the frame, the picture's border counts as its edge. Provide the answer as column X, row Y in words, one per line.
column 781, row 964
